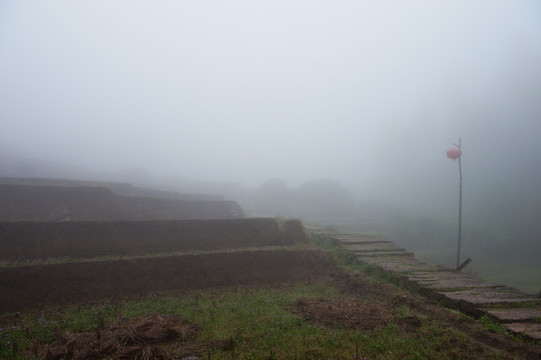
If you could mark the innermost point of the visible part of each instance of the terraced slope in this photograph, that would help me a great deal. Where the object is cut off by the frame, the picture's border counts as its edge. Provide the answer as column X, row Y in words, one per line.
column 104, row 260
column 100, row 203
column 76, row 239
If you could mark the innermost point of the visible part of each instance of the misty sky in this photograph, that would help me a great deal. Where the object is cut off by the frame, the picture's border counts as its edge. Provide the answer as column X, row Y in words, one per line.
column 370, row 93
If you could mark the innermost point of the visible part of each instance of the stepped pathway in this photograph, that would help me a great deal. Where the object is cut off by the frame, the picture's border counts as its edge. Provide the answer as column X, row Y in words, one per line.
column 518, row 312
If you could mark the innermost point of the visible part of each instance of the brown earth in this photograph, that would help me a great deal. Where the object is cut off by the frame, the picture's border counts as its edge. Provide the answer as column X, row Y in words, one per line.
column 119, row 188
column 41, row 240
column 147, row 258
column 348, row 313
column 100, row 203
column 37, row 286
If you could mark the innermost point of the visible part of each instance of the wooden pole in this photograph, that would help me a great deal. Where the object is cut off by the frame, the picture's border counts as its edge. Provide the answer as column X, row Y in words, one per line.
column 459, row 208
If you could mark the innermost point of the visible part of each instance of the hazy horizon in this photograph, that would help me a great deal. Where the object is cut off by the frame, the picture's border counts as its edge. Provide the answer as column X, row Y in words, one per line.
column 369, row 94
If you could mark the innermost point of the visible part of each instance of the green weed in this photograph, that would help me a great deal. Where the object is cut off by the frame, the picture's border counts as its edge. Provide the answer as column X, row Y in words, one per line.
column 492, row 324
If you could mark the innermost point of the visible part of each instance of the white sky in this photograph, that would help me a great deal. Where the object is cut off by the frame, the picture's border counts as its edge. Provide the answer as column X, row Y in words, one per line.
column 370, row 93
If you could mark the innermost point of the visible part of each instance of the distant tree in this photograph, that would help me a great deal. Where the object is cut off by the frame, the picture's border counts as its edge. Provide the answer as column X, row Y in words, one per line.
column 272, row 198
column 324, row 200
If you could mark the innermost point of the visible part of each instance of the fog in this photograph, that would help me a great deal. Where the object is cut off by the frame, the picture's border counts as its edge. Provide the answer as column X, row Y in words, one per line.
column 370, row 94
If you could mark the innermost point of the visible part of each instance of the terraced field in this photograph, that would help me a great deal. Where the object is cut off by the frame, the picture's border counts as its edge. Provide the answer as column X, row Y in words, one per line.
column 219, row 289
column 46, row 264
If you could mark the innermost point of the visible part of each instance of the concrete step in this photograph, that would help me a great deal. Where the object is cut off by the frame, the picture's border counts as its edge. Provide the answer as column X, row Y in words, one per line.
column 384, row 254
column 516, row 315
column 352, row 242
column 531, row 330
column 372, row 247
column 520, row 313
column 487, row 296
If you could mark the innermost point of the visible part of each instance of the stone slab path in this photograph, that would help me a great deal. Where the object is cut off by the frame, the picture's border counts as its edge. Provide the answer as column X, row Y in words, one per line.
column 520, row 313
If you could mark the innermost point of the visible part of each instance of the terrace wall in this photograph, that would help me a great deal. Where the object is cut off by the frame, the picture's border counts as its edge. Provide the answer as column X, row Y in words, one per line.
column 61, row 284
column 100, row 203
column 42, row 240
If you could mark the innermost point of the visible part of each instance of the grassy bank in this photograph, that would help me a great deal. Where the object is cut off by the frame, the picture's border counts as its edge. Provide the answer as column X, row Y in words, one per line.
column 254, row 323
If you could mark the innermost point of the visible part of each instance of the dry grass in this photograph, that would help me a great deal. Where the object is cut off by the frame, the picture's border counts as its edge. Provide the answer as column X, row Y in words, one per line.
column 129, row 338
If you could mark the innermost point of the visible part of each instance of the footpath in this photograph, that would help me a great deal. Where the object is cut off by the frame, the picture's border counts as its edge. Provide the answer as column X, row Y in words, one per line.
column 518, row 312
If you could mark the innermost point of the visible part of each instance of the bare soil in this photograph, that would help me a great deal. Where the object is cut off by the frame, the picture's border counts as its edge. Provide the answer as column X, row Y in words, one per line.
column 100, row 203
column 58, row 284
column 41, row 240
column 349, row 313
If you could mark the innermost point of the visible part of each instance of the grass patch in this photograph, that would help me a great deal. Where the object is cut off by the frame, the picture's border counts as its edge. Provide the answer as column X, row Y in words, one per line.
column 258, row 322
column 67, row 259
column 492, row 324
column 343, row 257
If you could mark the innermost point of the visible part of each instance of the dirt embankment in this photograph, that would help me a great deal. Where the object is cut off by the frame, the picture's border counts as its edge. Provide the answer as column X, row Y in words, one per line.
column 57, row 284
column 48, row 284
column 42, row 240
column 100, row 203
column 119, row 188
